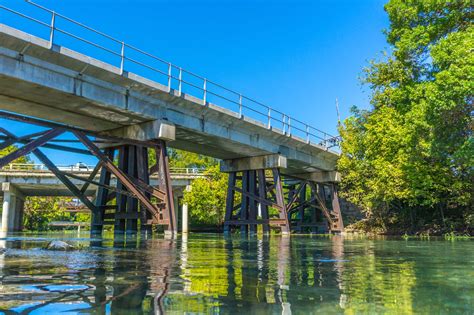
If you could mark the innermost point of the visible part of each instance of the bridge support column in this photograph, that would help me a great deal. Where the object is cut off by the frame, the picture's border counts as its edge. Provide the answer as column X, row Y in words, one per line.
column 184, row 218
column 320, row 203
column 185, row 215
column 313, row 207
column 257, row 193
column 127, row 212
column 255, row 187
column 304, row 207
column 132, row 174
column 337, row 225
column 13, row 207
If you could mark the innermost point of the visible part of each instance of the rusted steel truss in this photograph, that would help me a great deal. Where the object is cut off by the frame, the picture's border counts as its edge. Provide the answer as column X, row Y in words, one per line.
column 312, row 207
column 262, row 197
column 255, row 197
column 133, row 201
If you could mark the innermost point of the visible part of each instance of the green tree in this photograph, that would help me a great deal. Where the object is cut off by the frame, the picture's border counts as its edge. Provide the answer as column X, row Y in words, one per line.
column 40, row 211
column 411, row 156
column 183, row 159
column 22, row 160
column 206, row 198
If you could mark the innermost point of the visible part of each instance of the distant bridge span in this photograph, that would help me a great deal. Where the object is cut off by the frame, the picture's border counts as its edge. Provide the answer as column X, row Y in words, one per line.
column 40, row 78
column 19, row 181
column 36, row 180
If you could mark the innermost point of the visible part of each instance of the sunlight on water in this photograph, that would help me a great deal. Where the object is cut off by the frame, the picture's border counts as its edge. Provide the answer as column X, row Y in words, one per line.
column 214, row 274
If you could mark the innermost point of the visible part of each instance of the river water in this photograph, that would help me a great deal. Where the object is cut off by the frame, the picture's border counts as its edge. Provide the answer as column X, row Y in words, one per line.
column 212, row 274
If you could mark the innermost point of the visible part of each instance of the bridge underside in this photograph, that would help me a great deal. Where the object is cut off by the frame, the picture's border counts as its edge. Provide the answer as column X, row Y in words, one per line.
column 258, row 194
column 263, row 197
column 131, row 200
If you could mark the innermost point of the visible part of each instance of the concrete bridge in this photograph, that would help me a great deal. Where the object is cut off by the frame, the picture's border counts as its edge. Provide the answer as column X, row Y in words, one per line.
column 19, row 181
column 45, row 83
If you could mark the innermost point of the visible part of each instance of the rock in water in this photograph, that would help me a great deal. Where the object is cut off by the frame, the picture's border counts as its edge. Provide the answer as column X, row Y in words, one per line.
column 59, row 245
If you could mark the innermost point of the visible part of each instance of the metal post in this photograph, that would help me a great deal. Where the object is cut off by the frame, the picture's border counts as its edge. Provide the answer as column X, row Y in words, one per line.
column 229, row 204
column 51, row 33
column 205, row 91
column 269, row 125
column 240, row 105
column 277, row 181
column 180, row 80
column 289, row 125
column 169, row 77
column 284, row 123
column 336, row 211
column 165, row 185
column 307, row 134
column 122, row 58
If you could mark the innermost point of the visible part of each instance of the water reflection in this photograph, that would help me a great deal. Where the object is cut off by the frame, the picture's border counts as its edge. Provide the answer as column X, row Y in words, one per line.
column 213, row 274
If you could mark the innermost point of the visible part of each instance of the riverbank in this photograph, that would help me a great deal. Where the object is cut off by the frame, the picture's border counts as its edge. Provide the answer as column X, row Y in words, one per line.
column 374, row 227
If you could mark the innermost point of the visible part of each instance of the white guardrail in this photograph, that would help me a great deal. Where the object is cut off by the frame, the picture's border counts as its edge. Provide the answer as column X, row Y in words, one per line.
column 64, row 30
column 81, row 167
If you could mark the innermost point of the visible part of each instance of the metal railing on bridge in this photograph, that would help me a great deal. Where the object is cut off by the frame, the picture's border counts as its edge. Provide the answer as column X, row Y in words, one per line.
column 179, row 79
column 80, row 167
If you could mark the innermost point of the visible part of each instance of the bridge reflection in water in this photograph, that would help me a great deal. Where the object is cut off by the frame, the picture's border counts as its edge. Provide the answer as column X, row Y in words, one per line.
column 211, row 274
column 200, row 274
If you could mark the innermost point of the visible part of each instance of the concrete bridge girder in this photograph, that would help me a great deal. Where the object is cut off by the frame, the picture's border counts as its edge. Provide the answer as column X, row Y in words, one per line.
column 276, row 161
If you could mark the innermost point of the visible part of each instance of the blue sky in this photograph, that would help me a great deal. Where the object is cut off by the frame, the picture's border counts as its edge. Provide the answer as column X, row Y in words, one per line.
column 295, row 56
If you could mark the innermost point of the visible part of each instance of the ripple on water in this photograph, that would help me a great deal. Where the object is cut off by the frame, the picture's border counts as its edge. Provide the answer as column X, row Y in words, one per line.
column 332, row 260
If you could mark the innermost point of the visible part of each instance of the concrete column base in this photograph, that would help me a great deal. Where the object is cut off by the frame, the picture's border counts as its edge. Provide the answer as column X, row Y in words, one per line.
column 13, row 204
column 170, row 234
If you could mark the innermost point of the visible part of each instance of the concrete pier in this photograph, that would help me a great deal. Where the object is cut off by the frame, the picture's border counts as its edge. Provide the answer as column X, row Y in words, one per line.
column 13, row 203
column 185, row 215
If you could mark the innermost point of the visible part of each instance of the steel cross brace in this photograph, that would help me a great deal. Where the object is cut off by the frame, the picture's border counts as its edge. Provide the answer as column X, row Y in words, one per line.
column 137, row 187
column 254, row 192
column 32, row 146
column 121, row 176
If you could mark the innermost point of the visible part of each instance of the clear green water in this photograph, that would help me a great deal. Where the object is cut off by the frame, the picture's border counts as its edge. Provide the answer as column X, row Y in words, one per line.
column 217, row 275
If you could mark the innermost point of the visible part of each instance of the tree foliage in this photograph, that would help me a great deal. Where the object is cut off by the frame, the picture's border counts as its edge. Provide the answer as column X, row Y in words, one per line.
column 413, row 152
column 206, row 198
column 183, row 159
column 41, row 211
column 22, row 160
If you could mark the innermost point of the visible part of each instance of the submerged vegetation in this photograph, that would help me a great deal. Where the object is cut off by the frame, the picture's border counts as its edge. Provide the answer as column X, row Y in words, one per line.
column 408, row 161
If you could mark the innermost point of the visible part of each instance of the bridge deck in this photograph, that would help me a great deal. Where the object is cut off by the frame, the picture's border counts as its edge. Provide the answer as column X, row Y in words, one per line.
column 64, row 86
